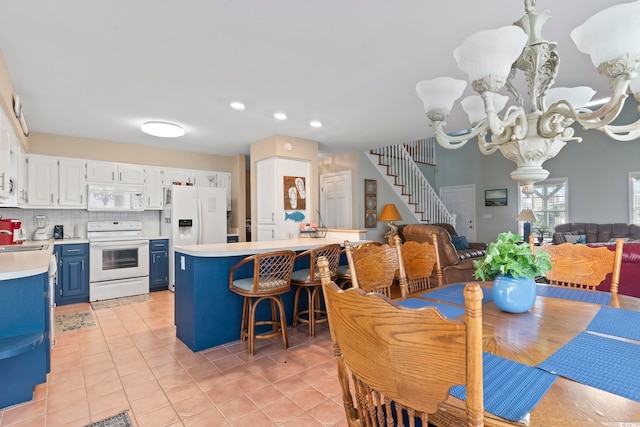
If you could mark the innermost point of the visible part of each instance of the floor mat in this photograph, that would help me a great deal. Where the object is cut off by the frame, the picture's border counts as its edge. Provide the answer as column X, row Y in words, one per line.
column 70, row 322
column 118, row 420
column 115, row 302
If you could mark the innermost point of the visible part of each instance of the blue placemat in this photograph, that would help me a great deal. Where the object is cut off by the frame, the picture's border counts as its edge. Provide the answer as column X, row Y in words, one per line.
column 455, row 294
column 449, row 311
column 511, row 389
column 617, row 322
column 603, row 298
column 604, row 363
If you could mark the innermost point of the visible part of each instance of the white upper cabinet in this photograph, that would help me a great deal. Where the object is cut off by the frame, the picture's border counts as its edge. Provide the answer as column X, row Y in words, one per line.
column 42, row 181
column 5, row 155
column 153, row 188
column 109, row 172
column 72, row 184
column 266, row 190
column 131, row 174
column 177, row 176
column 101, row 171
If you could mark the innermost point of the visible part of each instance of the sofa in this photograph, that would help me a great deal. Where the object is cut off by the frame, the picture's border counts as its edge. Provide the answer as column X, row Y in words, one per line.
column 456, row 264
column 602, row 235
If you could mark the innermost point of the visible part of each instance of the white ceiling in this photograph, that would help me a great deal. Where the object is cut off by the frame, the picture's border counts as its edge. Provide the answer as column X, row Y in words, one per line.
column 99, row 69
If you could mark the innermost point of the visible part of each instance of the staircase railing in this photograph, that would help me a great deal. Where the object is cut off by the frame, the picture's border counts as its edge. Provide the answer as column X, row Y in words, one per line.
column 413, row 183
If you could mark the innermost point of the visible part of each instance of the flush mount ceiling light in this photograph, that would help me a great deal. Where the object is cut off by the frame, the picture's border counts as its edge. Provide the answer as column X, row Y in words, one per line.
column 315, row 123
column 280, row 116
column 529, row 137
column 162, row 129
column 237, row 106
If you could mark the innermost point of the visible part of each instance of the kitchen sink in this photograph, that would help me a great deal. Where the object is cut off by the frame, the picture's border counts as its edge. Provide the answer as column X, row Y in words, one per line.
column 23, row 248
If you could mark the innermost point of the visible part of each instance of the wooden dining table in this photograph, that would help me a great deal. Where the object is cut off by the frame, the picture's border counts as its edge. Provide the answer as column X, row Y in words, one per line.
column 530, row 338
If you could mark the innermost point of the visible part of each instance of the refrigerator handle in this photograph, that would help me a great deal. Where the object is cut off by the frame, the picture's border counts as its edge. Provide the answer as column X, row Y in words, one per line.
column 199, row 219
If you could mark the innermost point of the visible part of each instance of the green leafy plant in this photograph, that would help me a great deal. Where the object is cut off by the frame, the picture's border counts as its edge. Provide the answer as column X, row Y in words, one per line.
column 509, row 256
column 540, row 228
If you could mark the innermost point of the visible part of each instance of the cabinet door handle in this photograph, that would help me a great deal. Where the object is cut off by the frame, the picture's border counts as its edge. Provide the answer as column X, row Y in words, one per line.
column 73, row 250
column 81, row 199
column 120, row 177
column 273, row 234
column 113, row 176
column 3, row 179
column 273, row 216
column 51, row 198
column 83, row 264
column 148, row 200
column 154, row 258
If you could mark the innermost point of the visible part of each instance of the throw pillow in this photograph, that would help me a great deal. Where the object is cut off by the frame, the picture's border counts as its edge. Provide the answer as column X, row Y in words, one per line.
column 559, row 238
column 576, row 238
column 457, row 243
column 465, row 242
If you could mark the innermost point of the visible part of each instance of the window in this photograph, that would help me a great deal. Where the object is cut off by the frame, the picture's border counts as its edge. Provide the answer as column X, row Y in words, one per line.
column 634, row 198
column 549, row 203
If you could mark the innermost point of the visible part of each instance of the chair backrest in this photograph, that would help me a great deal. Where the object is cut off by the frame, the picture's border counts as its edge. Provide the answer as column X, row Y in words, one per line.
column 374, row 267
column 420, row 260
column 331, row 252
column 409, row 356
column 582, row 266
column 271, row 271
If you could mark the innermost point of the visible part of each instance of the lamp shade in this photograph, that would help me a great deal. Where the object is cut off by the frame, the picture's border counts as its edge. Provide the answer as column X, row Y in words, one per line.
column 474, row 106
column 610, row 33
column 390, row 213
column 440, row 93
column 490, row 52
column 578, row 96
column 526, row 215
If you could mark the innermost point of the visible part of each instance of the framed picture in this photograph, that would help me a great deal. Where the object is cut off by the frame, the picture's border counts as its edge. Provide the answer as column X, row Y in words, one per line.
column 295, row 193
column 497, row 197
column 370, row 203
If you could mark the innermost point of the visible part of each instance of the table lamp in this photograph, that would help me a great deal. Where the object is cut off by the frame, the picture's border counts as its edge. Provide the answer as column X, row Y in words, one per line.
column 390, row 213
column 528, row 217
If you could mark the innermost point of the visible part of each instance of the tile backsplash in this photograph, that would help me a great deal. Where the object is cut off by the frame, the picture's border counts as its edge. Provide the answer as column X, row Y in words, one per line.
column 75, row 220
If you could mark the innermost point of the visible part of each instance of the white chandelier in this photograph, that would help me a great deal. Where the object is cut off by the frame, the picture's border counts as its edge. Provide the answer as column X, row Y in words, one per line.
column 491, row 59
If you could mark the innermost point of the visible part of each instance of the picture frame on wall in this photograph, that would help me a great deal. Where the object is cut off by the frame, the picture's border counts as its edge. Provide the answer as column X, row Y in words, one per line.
column 370, row 203
column 495, row 197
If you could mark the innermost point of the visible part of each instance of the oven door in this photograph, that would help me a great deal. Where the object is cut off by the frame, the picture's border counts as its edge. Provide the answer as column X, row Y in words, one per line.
column 118, row 260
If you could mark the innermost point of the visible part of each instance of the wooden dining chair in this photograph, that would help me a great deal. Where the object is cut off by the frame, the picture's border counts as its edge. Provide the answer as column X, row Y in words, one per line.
column 584, row 267
column 308, row 280
column 344, row 273
column 420, row 260
column 271, row 278
column 402, row 360
column 374, row 268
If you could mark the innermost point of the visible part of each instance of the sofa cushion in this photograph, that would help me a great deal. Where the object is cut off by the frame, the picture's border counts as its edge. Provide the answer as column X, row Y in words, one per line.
column 460, row 242
column 575, row 238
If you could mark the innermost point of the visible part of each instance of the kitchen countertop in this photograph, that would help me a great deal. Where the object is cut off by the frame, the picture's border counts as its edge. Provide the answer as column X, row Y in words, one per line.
column 15, row 265
column 251, row 248
column 70, row 241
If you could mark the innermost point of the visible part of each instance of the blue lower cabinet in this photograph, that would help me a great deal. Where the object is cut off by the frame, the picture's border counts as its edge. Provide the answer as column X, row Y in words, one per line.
column 24, row 338
column 158, row 265
column 73, row 273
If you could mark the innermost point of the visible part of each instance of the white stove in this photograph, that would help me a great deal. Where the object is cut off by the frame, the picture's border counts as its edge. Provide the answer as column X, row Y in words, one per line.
column 119, row 259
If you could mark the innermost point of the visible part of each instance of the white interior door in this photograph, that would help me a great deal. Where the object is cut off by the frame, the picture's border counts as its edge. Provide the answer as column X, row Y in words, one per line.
column 335, row 199
column 461, row 200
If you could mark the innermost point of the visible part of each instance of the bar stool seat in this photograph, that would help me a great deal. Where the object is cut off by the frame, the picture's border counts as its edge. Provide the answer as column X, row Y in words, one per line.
column 308, row 279
column 271, row 278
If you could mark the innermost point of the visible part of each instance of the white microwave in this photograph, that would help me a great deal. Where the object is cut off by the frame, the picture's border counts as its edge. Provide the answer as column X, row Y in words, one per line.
column 114, row 197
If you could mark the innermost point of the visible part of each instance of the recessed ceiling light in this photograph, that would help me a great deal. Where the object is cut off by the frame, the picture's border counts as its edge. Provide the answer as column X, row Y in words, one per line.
column 162, row 129
column 237, row 106
column 280, row 116
column 315, row 123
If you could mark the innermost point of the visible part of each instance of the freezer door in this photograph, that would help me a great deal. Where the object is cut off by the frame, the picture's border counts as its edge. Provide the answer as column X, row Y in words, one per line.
column 212, row 217
column 184, row 224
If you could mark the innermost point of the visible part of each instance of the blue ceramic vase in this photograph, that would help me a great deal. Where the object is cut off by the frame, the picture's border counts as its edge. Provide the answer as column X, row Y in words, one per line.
column 514, row 295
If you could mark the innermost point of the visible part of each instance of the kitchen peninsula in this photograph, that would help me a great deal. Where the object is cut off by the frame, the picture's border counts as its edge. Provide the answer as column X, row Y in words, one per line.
column 207, row 313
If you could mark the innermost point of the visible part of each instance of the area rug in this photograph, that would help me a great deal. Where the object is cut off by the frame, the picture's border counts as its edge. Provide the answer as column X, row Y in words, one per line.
column 70, row 322
column 118, row 420
column 115, row 302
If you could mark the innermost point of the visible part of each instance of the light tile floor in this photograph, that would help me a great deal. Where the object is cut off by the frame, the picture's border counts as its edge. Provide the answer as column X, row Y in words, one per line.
column 132, row 360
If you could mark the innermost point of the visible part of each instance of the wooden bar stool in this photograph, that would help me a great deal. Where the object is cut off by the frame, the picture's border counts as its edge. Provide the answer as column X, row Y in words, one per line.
column 308, row 279
column 271, row 278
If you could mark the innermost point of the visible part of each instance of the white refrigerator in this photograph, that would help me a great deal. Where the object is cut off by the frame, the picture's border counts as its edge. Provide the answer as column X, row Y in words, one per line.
column 193, row 216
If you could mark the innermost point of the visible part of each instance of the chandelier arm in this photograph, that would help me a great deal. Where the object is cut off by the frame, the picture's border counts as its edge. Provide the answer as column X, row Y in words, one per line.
column 485, row 147
column 513, row 125
column 453, row 142
column 623, row 133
